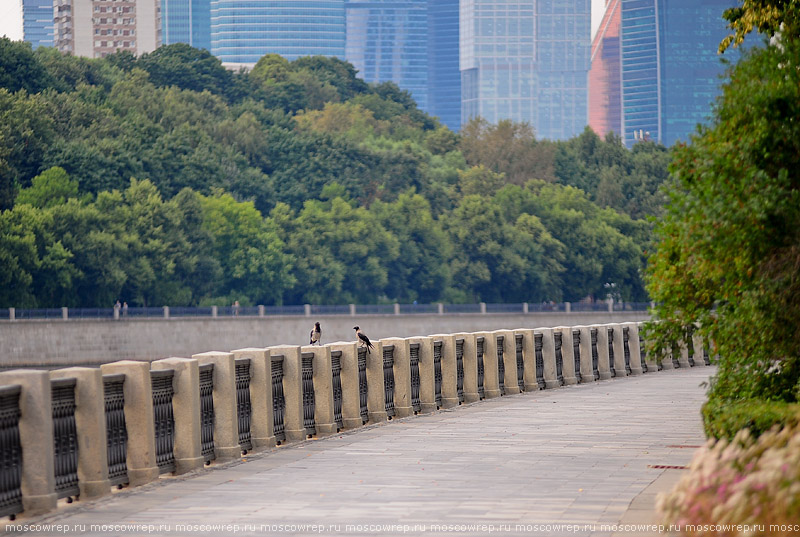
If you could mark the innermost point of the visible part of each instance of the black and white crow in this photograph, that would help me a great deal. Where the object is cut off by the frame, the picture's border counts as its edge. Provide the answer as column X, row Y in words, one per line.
column 316, row 335
column 363, row 339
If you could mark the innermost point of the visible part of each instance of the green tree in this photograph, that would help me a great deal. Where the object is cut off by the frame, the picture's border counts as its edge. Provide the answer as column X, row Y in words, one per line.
column 769, row 17
column 729, row 246
column 186, row 67
column 20, row 68
column 51, row 187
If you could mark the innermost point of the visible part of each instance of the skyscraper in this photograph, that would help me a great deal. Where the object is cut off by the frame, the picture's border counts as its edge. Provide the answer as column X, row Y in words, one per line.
column 526, row 61
column 186, row 21
column 242, row 31
column 670, row 66
column 95, row 28
column 37, row 22
column 388, row 41
column 444, row 77
column 605, row 98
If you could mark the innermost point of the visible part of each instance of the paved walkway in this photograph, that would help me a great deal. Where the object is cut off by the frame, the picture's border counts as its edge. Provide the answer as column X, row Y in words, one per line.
column 568, row 461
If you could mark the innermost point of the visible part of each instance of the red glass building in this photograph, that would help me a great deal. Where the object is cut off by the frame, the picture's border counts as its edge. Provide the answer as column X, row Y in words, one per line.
column 605, row 98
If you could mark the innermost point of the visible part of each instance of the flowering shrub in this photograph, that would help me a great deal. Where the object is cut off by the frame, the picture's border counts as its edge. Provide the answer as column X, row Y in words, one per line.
column 747, row 486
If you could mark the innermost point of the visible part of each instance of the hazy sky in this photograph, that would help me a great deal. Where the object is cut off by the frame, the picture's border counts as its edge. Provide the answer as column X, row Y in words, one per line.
column 11, row 17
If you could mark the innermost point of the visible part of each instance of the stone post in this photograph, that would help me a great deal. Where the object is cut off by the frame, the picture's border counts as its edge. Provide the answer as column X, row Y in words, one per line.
column 166, row 312
column 618, row 344
column 633, row 347
column 261, row 426
column 323, row 389
column 65, row 313
column 307, row 310
column 491, row 385
column 439, row 309
column 683, row 357
column 427, row 380
column 376, row 393
column 292, row 391
column 550, row 373
column 139, row 419
column 568, row 307
column 214, row 312
column 470, row 362
column 510, row 384
column 90, row 422
column 567, row 357
column 352, row 310
column 226, row 415
column 351, row 403
column 528, row 359
column 483, row 307
column 402, row 375
column 36, row 438
column 449, row 370
column 698, row 343
column 186, row 410
column 603, row 364
column 12, row 314
column 649, row 359
column 587, row 370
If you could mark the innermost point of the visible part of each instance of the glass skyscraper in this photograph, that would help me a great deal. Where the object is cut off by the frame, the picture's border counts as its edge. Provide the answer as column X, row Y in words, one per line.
column 37, row 22
column 242, row 31
column 605, row 114
column 186, row 21
column 670, row 66
column 388, row 41
column 444, row 77
column 528, row 62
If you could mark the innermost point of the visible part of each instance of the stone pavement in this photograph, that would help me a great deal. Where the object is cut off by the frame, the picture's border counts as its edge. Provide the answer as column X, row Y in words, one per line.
column 568, row 461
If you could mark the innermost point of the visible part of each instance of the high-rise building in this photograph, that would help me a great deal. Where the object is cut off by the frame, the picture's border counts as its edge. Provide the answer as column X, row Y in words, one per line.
column 37, row 22
column 444, row 77
column 388, row 41
column 605, row 98
column 242, row 31
column 95, row 28
column 670, row 70
column 526, row 61
column 186, row 21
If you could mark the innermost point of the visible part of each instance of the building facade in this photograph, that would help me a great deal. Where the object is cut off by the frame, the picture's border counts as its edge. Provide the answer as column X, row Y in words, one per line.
column 444, row 77
column 37, row 22
column 186, row 21
column 242, row 31
column 96, row 28
column 528, row 62
column 605, row 87
column 388, row 41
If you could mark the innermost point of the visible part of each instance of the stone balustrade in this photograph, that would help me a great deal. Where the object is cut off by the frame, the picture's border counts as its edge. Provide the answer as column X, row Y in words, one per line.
column 73, row 433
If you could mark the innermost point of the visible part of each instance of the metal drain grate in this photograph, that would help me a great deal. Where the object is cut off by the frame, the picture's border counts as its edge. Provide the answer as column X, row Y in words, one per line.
column 667, row 467
column 682, row 447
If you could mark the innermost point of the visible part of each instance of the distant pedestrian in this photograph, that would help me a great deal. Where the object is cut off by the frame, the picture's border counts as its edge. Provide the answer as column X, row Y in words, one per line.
column 124, row 309
column 236, row 308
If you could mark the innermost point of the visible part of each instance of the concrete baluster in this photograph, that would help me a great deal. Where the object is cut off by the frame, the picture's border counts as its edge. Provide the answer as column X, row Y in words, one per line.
column 587, row 370
column 139, row 419
column 567, row 357
column 261, row 424
column 402, row 375
column 36, row 439
column 226, row 415
column 511, row 386
column 698, row 343
column 449, row 370
column 186, row 410
column 292, row 391
column 528, row 359
column 323, row 388
column 618, row 344
column 376, row 394
column 470, row 360
column 491, row 385
column 603, row 363
column 653, row 364
column 633, row 347
column 90, row 422
column 351, row 403
column 549, row 356
column 427, row 378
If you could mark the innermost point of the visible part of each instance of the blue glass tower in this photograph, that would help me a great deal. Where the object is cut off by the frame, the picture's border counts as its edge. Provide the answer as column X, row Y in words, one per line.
column 242, row 31
column 186, row 21
column 37, row 23
column 670, row 67
column 444, row 77
column 526, row 61
column 388, row 41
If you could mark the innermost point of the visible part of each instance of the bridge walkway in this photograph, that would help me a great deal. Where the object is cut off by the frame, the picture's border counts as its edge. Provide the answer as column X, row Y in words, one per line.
column 566, row 461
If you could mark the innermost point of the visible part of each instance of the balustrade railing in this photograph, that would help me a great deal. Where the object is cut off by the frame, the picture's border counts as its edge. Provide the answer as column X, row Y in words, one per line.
column 537, row 347
column 576, row 353
column 501, row 364
column 244, row 408
column 416, row 404
column 278, row 399
column 207, row 412
column 10, row 452
column 642, row 352
column 437, row 373
column 362, row 385
column 163, row 418
column 460, row 370
column 595, row 358
column 336, row 384
column 558, row 342
column 611, row 352
column 520, row 362
column 65, row 437
column 388, row 380
column 626, row 334
column 116, row 429
column 479, row 346
column 690, row 346
column 307, row 373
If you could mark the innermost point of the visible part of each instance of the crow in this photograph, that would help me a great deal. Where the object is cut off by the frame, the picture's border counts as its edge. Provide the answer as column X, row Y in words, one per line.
column 316, row 335
column 363, row 339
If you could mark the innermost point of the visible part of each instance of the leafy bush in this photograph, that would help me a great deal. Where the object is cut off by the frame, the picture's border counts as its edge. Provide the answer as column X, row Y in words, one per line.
column 723, row 419
column 747, row 486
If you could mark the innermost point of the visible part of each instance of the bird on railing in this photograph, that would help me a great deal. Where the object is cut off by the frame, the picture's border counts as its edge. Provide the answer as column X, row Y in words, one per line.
column 316, row 335
column 363, row 340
